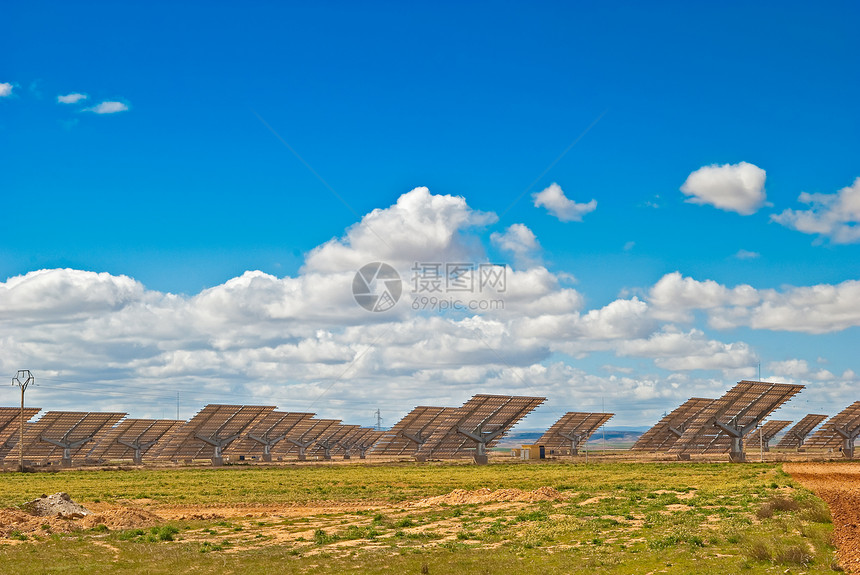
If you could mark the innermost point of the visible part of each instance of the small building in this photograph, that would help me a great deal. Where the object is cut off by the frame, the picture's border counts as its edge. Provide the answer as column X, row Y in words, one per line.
column 533, row 452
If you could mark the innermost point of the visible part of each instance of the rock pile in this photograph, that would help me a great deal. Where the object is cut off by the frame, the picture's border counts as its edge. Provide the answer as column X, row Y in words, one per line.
column 56, row 505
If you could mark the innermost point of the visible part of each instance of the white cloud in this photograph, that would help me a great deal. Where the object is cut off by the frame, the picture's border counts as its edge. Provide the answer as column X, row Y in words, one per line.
column 107, row 108
column 566, row 210
column 730, row 187
column 420, row 227
column 794, row 369
column 747, row 255
column 677, row 350
column 520, row 241
column 674, row 296
column 5, row 89
column 258, row 338
column 833, row 216
column 817, row 309
column 73, row 98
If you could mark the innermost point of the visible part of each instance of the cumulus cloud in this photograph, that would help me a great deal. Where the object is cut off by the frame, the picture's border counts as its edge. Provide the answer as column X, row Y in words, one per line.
column 817, row 309
column 293, row 340
column 107, row 107
column 798, row 369
column 5, row 89
column 677, row 350
column 520, row 241
column 675, row 296
column 730, row 187
column 566, row 210
column 73, row 98
column 832, row 216
column 420, row 227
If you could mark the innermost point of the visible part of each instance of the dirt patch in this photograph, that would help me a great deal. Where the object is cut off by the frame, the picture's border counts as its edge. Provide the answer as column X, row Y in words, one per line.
column 838, row 484
column 486, row 495
column 122, row 518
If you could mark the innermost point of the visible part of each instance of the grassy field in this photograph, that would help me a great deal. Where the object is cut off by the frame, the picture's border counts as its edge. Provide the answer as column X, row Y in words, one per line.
column 612, row 518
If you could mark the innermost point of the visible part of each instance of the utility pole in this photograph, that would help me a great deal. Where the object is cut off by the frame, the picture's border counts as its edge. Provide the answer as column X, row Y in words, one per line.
column 378, row 420
column 22, row 379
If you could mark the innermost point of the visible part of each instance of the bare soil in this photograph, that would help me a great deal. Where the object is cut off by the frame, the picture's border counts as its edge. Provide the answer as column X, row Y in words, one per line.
column 838, row 484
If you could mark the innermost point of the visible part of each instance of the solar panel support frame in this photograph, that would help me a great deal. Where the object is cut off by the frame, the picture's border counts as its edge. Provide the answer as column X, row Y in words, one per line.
column 67, row 447
column 848, row 439
column 218, row 444
column 302, row 445
column 574, row 439
column 481, row 438
column 736, row 435
column 138, row 447
column 267, row 443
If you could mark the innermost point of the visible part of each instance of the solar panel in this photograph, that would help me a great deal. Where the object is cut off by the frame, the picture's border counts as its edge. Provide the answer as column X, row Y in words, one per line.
column 722, row 425
column 367, row 441
column 62, row 435
column 411, row 432
column 572, row 430
column 840, row 432
column 351, row 441
column 303, row 436
column 132, row 438
column 210, row 431
column 760, row 438
column 10, row 426
column 796, row 436
column 478, row 425
column 667, row 431
column 265, row 433
column 329, row 444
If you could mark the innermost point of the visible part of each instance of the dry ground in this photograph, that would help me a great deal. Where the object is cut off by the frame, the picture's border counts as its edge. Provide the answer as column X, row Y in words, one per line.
column 838, row 484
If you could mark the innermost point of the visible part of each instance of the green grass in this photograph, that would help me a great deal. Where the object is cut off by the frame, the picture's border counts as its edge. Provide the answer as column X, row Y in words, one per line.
column 619, row 518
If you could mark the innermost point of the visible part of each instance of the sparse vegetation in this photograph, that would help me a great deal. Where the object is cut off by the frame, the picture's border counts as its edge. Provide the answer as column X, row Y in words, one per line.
column 612, row 518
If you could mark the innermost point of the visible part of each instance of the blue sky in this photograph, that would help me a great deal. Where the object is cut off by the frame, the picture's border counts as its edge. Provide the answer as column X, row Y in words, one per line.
column 185, row 187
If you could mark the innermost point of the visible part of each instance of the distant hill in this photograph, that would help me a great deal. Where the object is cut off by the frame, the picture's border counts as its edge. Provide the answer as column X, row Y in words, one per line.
column 615, row 437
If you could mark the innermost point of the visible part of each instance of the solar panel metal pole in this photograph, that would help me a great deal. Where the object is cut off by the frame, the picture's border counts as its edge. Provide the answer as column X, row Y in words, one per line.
column 848, row 438
column 22, row 379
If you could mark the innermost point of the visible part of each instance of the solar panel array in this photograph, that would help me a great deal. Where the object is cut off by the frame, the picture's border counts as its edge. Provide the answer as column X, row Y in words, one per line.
column 62, row 435
column 760, row 438
column 571, row 431
column 132, row 438
column 796, row 436
column 478, row 425
column 663, row 436
column 301, row 440
column 210, row 431
column 359, row 440
column 411, row 432
column 840, row 431
column 265, row 433
column 721, row 426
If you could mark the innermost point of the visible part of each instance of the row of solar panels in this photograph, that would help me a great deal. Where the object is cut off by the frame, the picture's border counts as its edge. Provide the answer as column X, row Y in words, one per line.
column 217, row 431
column 724, row 425
column 701, row 426
column 249, row 431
